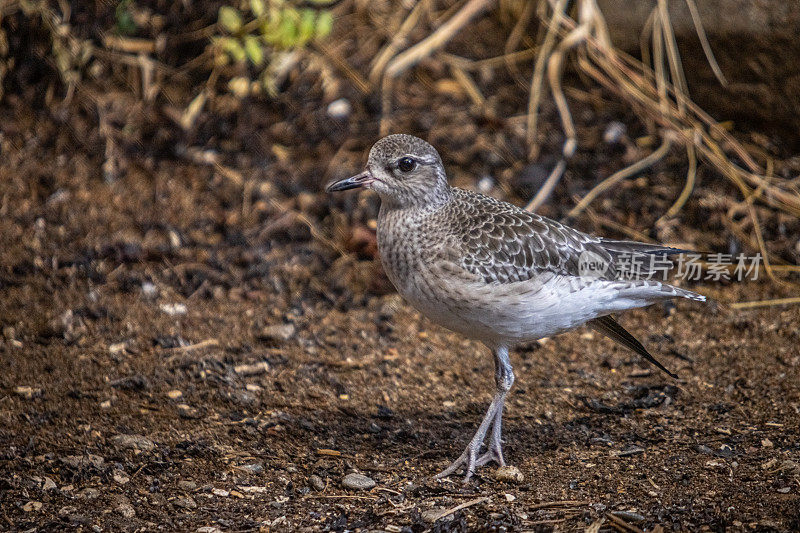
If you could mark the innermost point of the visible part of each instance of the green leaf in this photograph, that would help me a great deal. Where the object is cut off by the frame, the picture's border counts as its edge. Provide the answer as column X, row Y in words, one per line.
column 308, row 22
column 253, row 49
column 258, row 8
column 324, row 25
column 287, row 28
column 233, row 47
column 230, row 19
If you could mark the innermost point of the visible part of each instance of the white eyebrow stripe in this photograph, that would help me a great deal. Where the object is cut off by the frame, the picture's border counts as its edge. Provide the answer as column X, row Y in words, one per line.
column 426, row 159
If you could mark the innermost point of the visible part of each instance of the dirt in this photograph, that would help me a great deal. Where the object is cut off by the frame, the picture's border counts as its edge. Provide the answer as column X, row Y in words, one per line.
column 193, row 345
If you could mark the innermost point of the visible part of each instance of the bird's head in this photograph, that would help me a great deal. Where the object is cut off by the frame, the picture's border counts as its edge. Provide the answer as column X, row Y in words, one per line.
column 404, row 170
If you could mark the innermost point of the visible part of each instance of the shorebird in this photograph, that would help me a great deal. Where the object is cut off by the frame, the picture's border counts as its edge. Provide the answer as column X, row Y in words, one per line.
column 493, row 272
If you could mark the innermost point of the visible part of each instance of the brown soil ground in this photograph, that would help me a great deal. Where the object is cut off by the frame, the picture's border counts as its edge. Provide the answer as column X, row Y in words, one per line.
column 188, row 345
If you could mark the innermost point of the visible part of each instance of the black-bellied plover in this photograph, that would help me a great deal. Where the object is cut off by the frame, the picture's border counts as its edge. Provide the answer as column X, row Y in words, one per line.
column 494, row 272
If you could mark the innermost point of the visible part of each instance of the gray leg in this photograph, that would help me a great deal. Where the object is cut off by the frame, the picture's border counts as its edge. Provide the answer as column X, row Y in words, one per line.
column 504, row 379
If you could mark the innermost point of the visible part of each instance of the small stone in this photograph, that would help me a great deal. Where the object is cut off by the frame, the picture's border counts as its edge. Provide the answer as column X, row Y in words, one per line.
column 615, row 131
column 340, row 109
column 186, row 503
column 509, row 474
column 174, row 394
column 252, row 369
column 432, row 515
column 133, row 442
column 32, row 506
column 89, row 494
column 784, row 490
column 173, row 309
column 49, row 484
column 766, row 443
column 276, row 332
column 120, row 477
column 187, row 485
column 220, row 492
column 126, row 510
column 117, row 347
column 208, row 529
column 629, row 516
column 83, row 461
column 357, row 482
column 253, row 468
column 27, row 392
column 316, row 483
column 149, row 290
column 188, row 412
column 509, row 497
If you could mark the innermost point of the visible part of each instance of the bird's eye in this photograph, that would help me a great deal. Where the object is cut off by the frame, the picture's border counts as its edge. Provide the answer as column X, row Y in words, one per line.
column 406, row 164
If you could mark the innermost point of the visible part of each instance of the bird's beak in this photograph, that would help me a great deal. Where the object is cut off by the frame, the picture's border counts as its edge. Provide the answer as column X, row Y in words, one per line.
column 353, row 182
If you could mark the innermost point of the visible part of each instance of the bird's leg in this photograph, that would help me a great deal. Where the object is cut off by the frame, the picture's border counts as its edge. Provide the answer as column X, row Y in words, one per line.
column 504, row 379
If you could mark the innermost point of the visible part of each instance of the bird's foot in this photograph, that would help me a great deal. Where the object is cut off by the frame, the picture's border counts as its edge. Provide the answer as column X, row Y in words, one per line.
column 470, row 459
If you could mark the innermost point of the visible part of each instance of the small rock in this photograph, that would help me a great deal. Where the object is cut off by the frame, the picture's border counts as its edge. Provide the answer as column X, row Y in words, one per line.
column 252, row 369
column 187, row 485
column 48, row 484
column 509, row 497
column 133, row 442
column 149, row 290
column 117, row 347
column 32, row 506
column 174, row 394
column 174, row 309
column 253, row 468
column 186, row 503
column 340, row 109
column 766, row 443
column 432, row 515
column 357, row 482
column 83, row 461
column 509, row 474
column 188, row 412
column 208, row 529
column 126, row 510
column 27, row 392
column 120, row 477
column 316, row 483
column 629, row 516
column 222, row 493
column 276, row 332
column 615, row 131
column 485, row 184
column 89, row 494
column 630, row 450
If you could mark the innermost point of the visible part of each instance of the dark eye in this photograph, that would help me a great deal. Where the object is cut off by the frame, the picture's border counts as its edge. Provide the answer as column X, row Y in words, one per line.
column 406, row 164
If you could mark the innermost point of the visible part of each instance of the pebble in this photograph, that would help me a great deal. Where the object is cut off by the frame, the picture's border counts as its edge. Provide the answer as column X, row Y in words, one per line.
column 186, row 503
column 252, row 369
column 316, row 483
column 509, row 474
column 27, row 392
column 357, row 482
column 432, row 515
column 253, row 468
column 89, row 494
column 276, row 332
column 629, row 516
column 174, row 394
column 32, row 506
column 133, row 442
column 83, row 461
column 208, row 529
column 126, row 510
column 187, row 485
column 120, row 477
column 174, row 309
column 340, row 108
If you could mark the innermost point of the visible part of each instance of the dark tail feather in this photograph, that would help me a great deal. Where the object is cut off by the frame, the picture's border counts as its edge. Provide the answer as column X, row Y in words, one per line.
column 611, row 329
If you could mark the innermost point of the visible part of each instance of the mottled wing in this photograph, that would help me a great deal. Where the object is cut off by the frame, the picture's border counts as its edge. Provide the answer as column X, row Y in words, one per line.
column 504, row 244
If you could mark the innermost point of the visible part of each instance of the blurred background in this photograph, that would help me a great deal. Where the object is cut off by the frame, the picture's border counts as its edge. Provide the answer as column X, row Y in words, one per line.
column 195, row 335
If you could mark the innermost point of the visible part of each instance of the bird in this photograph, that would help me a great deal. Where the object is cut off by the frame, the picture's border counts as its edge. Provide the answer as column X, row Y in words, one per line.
column 496, row 273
